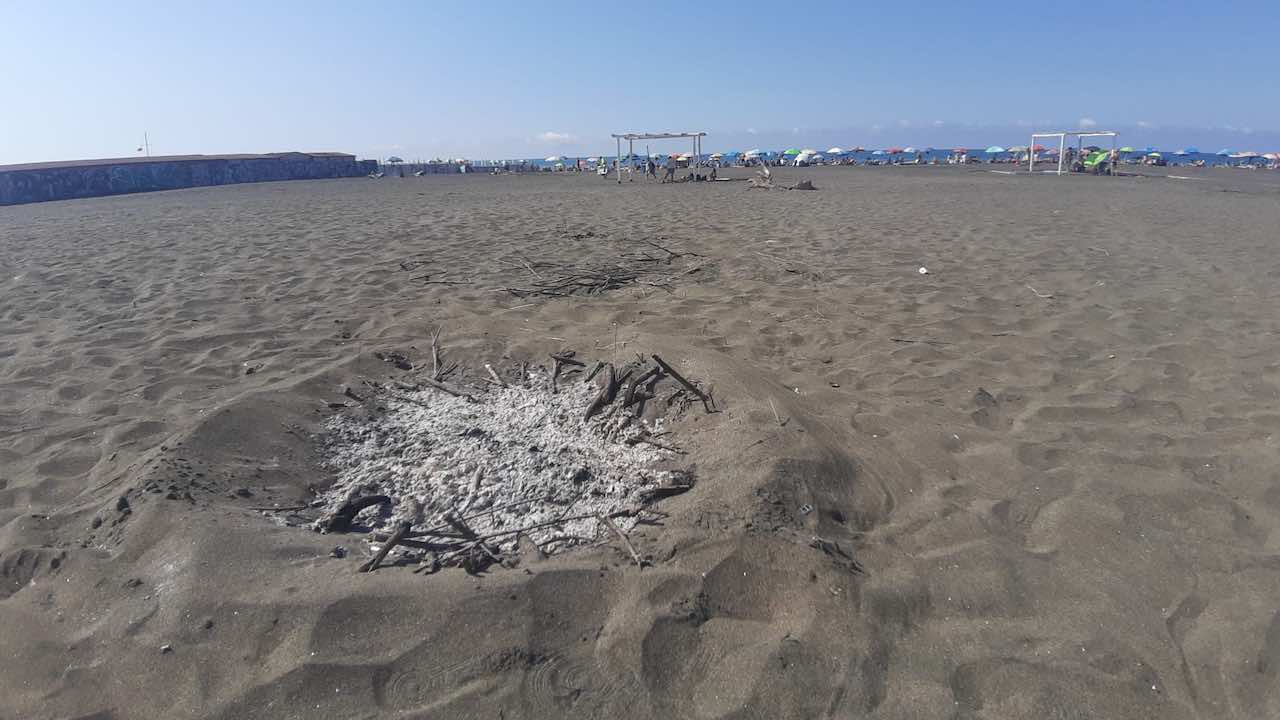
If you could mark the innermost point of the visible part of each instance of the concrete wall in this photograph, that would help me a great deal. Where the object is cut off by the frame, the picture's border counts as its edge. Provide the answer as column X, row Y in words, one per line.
column 38, row 184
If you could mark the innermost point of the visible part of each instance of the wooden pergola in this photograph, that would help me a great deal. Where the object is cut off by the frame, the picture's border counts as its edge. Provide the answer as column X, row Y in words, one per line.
column 631, row 139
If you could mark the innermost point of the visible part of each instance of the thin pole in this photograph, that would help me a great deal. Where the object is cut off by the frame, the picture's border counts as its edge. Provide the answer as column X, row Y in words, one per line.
column 618, row 165
column 1031, row 156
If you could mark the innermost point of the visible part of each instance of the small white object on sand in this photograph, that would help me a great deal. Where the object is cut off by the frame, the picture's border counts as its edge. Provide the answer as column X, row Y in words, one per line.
column 923, row 270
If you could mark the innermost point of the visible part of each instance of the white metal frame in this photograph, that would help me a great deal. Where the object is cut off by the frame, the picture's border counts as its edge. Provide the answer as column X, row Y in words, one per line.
column 631, row 139
column 1062, row 144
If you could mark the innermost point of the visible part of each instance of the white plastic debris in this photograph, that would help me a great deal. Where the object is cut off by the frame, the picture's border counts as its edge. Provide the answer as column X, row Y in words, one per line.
column 923, row 270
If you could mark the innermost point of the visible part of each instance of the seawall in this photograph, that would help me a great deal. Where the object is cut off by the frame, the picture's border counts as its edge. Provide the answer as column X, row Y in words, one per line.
column 40, row 182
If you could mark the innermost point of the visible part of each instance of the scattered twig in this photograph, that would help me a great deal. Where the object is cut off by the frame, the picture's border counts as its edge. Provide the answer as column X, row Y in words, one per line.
column 445, row 389
column 594, row 369
column 435, row 355
column 707, row 403
column 1045, row 296
column 918, row 340
column 775, row 413
column 567, row 358
column 494, row 375
column 625, row 540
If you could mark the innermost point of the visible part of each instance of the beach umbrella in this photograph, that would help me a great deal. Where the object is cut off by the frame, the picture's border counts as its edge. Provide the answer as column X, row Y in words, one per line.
column 1127, row 148
column 591, row 159
column 858, row 149
column 1018, row 148
column 895, row 150
column 1271, row 156
column 1038, row 148
column 1193, row 150
column 877, row 152
column 554, row 158
column 1245, row 154
column 716, row 156
column 791, row 151
column 394, row 159
column 1225, row 151
column 995, row 149
column 1183, row 152
column 1153, row 154
column 835, row 151
column 960, row 150
column 808, row 151
column 1148, row 149
column 908, row 150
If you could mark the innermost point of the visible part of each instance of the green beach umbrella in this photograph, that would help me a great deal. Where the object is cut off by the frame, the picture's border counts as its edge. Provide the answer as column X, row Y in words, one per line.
column 1126, row 148
column 791, row 151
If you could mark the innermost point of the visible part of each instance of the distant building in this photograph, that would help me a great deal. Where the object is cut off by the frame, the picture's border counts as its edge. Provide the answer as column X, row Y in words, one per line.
column 39, row 182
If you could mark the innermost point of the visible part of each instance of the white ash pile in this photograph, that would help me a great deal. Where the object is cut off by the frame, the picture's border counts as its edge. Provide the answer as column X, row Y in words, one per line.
column 461, row 478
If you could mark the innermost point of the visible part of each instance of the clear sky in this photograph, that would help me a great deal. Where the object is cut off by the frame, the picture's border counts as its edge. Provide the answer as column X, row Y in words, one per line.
column 494, row 79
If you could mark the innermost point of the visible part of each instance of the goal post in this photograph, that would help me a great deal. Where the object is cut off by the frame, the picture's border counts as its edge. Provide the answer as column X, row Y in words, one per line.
column 1062, row 144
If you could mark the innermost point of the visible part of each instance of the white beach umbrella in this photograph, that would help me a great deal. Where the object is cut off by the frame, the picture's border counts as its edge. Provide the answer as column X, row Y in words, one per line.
column 908, row 150
column 834, row 151
column 554, row 158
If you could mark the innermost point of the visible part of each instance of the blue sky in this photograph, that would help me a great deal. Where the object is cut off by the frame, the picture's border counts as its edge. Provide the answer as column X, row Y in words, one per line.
column 496, row 79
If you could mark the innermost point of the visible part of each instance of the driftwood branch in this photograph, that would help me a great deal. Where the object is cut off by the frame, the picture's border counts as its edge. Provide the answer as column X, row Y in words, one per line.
column 341, row 519
column 402, row 527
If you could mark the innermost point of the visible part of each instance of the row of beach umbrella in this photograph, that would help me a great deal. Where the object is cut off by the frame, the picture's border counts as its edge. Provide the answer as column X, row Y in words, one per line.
column 992, row 150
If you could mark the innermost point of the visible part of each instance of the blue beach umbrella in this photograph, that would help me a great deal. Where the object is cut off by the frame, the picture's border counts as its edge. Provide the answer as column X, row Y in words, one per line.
column 877, row 152
column 995, row 149
column 1192, row 150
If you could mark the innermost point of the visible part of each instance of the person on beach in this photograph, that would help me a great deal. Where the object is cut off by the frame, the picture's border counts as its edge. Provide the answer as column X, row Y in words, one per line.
column 670, row 176
column 650, row 168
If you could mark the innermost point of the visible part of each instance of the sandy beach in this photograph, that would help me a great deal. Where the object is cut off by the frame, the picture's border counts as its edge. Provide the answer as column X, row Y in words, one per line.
column 1053, row 456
